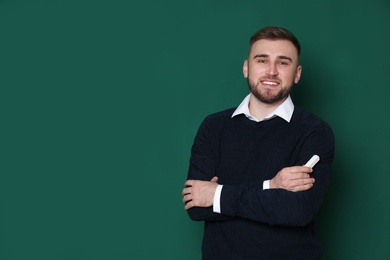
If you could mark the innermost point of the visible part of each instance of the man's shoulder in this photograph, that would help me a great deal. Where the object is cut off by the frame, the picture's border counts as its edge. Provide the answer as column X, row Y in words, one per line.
column 221, row 115
column 217, row 120
column 309, row 120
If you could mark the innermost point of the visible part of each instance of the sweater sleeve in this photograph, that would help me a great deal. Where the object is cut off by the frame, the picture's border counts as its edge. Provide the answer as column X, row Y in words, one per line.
column 279, row 206
column 204, row 163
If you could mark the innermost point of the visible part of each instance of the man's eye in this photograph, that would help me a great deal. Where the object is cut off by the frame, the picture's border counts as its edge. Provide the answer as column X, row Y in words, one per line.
column 283, row 63
column 262, row 61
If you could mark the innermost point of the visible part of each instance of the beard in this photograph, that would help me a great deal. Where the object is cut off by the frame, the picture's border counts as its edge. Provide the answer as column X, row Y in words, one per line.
column 267, row 96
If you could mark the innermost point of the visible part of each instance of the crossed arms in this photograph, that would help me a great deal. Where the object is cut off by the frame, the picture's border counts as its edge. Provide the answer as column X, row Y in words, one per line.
column 201, row 193
column 293, row 199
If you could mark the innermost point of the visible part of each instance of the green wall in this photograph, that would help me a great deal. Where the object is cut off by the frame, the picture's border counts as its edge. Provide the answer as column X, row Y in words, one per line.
column 100, row 102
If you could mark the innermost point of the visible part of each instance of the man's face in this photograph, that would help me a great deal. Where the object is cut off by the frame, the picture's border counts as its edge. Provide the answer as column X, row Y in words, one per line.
column 271, row 70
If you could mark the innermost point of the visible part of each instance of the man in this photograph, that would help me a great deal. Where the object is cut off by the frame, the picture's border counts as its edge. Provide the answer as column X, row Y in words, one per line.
column 246, row 178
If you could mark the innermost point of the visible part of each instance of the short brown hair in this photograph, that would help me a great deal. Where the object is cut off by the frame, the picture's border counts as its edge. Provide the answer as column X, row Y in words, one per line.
column 275, row 33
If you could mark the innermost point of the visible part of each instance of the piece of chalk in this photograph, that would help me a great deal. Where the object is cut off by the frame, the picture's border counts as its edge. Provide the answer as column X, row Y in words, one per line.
column 312, row 161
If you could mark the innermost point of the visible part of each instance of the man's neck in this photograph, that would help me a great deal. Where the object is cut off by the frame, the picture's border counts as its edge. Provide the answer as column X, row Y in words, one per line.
column 260, row 109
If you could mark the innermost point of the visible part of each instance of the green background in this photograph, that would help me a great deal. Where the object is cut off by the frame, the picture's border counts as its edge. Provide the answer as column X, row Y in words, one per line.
column 100, row 102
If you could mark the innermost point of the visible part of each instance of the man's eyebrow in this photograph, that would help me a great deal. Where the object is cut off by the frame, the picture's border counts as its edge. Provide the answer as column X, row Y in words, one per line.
column 260, row 56
column 285, row 58
column 282, row 57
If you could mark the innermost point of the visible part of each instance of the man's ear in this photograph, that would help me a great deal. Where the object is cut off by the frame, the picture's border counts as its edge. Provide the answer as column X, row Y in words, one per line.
column 298, row 74
column 245, row 69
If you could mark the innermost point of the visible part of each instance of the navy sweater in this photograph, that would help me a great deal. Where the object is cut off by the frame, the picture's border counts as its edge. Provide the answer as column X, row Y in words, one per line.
column 256, row 223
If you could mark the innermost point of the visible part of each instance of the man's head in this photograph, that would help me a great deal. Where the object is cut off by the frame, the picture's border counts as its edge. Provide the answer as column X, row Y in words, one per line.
column 272, row 66
column 274, row 33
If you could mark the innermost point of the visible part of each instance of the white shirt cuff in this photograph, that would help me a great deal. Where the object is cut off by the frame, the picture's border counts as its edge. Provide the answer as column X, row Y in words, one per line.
column 217, row 199
column 266, row 185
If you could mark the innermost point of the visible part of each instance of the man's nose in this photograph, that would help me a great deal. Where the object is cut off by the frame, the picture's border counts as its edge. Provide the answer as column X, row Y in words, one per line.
column 272, row 69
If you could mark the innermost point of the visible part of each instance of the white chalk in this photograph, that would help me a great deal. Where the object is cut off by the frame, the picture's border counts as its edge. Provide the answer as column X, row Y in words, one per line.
column 312, row 161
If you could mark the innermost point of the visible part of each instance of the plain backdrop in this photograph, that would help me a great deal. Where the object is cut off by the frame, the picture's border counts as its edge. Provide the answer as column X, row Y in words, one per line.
column 100, row 102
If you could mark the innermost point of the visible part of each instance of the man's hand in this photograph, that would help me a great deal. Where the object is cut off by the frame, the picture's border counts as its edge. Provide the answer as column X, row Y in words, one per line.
column 296, row 178
column 199, row 193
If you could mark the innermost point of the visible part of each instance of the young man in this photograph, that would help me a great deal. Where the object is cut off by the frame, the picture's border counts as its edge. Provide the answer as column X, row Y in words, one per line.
column 247, row 178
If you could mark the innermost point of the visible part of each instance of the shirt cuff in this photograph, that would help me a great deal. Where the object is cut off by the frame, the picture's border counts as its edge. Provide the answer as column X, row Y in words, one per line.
column 217, row 199
column 266, row 185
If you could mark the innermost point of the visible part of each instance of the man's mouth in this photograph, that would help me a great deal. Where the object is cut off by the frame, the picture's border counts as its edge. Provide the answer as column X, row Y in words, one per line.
column 269, row 83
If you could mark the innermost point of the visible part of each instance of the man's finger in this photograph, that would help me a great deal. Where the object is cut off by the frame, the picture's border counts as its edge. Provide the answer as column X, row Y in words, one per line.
column 187, row 198
column 303, row 187
column 189, row 183
column 305, row 181
column 214, row 179
column 300, row 182
column 186, row 191
column 300, row 176
column 305, row 169
column 297, row 169
column 189, row 205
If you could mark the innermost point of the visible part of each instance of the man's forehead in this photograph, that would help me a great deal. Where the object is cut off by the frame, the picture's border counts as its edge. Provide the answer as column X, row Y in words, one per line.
column 274, row 48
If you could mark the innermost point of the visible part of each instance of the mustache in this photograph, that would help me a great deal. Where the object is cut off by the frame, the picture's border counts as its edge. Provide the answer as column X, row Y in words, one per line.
column 270, row 78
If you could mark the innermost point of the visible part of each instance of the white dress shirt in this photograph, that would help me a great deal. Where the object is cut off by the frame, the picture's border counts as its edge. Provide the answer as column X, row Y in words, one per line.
column 285, row 111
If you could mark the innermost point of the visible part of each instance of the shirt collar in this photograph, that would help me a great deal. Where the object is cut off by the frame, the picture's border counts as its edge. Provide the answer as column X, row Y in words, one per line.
column 285, row 110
